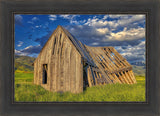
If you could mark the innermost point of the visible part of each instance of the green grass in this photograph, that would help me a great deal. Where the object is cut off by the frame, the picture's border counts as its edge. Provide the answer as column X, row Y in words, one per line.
column 26, row 91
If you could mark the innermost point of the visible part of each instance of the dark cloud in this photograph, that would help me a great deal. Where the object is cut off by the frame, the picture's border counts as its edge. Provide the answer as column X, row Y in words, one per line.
column 29, row 50
column 120, row 43
column 42, row 40
column 86, row 34
column 134, row 58
column 133, row 53
column 90, row 36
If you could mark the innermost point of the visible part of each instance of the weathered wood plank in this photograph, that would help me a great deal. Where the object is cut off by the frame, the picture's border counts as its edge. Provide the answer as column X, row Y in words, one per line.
column 81, row 74
column 132, row 76
column 131, row 81
column 90, row 76
column 73, row 71
column 97, row 63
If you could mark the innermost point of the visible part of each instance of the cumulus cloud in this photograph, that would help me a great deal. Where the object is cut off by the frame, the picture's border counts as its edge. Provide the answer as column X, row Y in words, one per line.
column 18, row 52
column 124, row 32
column 102, row 30
column 132, row 54
column 125, row 20
column 68, row 16
column 72, row 18
column 52, row 17
column 97, row 23
column 114, row 16
column 18, row 20
column 116, row 22
column 106, row 37
column 105, row 17
column 86, row 34
column 127, row 35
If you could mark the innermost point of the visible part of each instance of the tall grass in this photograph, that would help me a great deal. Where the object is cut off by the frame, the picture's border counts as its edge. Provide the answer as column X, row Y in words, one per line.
column 26, row 91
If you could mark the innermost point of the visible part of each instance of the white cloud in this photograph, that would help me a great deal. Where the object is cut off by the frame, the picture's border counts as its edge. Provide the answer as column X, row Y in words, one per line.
column 133, row 53
column 68, row 16
column 115, row 16
column 102, row 30
column 131, row 34
column 18, row 52
column 97, row 23
column 20, row 43
column 121, row 20
column 95, row 43
column 18, row 19
column 52, row 17
column 105, row 17
column 125, row 20
column 28, row 50
column 38, row 26
column 65, row 16
column 35, row 19
column 72, row 19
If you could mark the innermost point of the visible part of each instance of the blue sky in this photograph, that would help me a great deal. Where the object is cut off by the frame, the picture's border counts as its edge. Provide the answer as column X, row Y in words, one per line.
column 123, row 31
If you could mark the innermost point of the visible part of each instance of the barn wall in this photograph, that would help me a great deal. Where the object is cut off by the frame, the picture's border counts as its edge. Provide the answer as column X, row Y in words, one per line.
column 65, row 70
column 43, row 58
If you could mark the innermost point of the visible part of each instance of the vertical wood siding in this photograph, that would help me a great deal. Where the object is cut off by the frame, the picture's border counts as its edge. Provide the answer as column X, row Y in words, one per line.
column 64, row 65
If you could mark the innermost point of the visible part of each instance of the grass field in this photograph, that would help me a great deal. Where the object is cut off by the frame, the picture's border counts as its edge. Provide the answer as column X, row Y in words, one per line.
column 26, row 91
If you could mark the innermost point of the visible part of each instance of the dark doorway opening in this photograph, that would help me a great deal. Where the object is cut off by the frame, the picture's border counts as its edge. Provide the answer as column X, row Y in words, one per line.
column 85, row 80
column 45, row 68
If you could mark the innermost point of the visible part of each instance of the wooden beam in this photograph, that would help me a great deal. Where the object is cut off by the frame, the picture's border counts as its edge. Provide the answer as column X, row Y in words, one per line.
column 90, row 77
column 97, row 63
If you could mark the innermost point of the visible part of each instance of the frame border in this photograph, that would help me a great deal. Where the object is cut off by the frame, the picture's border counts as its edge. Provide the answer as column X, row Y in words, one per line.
column 80, row 6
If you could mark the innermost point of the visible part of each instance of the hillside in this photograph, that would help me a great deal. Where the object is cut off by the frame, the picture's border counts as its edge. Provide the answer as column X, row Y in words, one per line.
column 23, row 63
column 139, row 70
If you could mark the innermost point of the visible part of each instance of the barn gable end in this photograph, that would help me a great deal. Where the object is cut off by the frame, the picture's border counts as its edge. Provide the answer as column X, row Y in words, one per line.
column 65, row 64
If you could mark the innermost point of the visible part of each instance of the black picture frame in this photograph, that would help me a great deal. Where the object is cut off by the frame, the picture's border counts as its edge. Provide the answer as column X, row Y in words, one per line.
column 148, row 7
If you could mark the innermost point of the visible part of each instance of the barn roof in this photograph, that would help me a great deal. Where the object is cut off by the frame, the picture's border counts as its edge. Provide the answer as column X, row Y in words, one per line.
column 79, row 46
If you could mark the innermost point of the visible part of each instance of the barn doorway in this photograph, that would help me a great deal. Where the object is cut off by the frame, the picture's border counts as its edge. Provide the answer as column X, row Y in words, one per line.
column 85, row 80
column 45, row 69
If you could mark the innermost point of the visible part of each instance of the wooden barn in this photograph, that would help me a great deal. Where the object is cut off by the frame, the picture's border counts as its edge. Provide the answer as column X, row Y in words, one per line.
column 65, row 64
